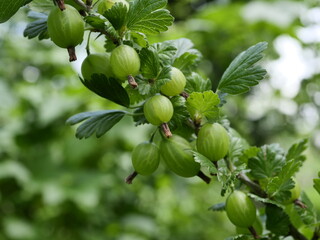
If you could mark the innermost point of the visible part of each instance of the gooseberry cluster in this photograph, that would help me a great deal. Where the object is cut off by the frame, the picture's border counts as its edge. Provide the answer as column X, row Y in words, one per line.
column 162, row 84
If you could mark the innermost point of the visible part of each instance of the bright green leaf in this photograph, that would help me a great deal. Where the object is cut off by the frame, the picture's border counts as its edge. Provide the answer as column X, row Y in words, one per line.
column 166, row 52
column 188, row 61
column 148, row 16
column 268, row 162
column 205, row 162
column 203, row 104
column 279, row 189
column 316, row 184
column 117, row 15
column 196, row 83
column 242, row 74
column 307, row 215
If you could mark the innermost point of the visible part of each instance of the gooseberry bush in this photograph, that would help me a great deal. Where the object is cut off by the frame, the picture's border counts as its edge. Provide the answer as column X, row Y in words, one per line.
column 159, row 84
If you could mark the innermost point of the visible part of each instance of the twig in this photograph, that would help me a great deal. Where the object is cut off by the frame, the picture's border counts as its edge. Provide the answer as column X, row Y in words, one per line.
column 204, row 177
column 295, row 233
column 254, row 187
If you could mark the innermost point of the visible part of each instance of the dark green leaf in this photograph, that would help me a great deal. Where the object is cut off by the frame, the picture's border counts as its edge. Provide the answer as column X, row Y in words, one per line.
column 139, row 117
column 96, row 122
column 219, row 207
column 9, row 8
column 147, row 16
column 196, row 83
column 117, row 15
column 268, row 162
column 180, row 112
column 150, row 64
column 203, row 104
column 242, row 74
column 37, row 27
column 277, row 220
column 108, row 88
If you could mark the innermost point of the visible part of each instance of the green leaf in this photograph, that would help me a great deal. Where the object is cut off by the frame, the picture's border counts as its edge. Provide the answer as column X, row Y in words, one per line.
column 150, row 64
column 296, row 150
column 241, row 237
column 316, row 184
column 268, row 162
column 180, row 112
column 249, row 153
column 196, row 83
column 147, row 16
column 205, row 163
column 150, row 87
column 139, row 117
column 104, row 26
column 42, row 6
column 307, row 215
column 188, row 61
column 241, row 74
column 140, row 39
column 117, row 15
column 98, row 122
column 279, row 188
column 108, row 88
column 219, row 207
column 277, row 220
column 203, row 104
column 9, row 8
column 264, row 200
column 37, row 27
column 166, row 52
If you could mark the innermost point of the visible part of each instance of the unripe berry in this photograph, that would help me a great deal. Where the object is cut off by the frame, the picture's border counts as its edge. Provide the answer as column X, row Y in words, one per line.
column 240, row 209
column 66, row 28
column 213, row 141
column 177, row 155
column 176, row 84
column 145, row 158
column 158, row 109
column 98, row 63
column 125, row 62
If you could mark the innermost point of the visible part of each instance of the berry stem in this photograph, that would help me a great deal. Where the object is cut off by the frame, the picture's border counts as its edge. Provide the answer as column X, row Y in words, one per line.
column 166, row 130
column 299, row 203
column 205, row 178
column 72, row 54
column 130, row 178
column 184, row 94
column 132, row 82
column 61, row 5
column 254, row 232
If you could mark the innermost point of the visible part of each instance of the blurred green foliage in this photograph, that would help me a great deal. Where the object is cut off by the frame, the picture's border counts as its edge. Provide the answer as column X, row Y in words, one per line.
column 53, row 186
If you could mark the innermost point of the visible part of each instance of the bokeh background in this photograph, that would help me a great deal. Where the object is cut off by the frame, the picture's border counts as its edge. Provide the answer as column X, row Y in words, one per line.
column 54, row 186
